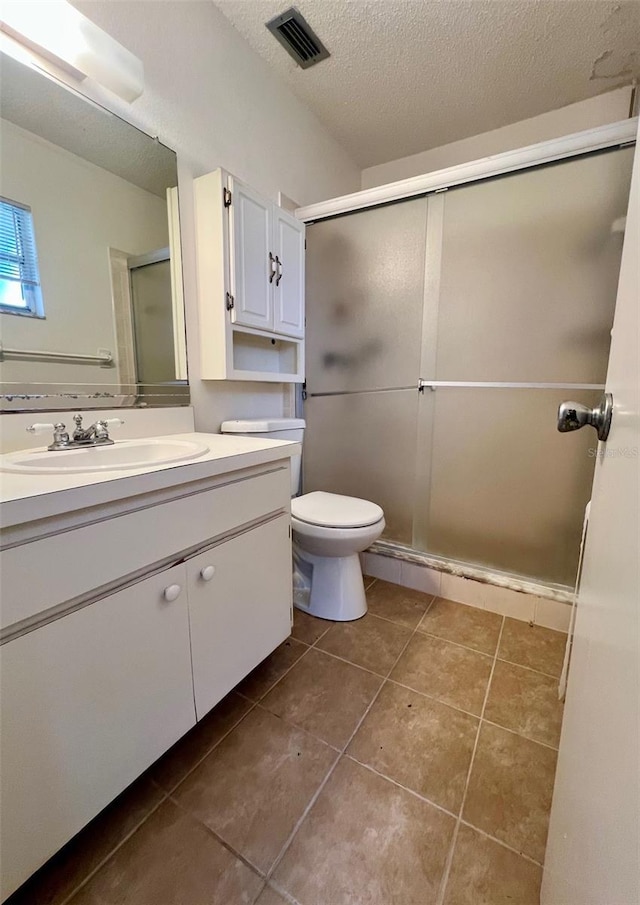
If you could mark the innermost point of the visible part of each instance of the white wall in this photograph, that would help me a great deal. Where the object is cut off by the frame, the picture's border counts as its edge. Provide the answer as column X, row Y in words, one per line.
column 213, row 100
column 597, row 111
column 79, row 212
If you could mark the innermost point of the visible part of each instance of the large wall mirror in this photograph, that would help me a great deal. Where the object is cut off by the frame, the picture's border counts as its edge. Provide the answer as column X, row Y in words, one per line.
column 91, row 308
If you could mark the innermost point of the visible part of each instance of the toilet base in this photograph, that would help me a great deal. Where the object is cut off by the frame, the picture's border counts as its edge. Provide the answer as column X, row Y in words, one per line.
column 329, row 587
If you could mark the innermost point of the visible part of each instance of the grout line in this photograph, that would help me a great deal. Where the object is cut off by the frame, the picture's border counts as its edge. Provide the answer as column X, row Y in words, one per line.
column 256, row 701
column 447, row 870
column 431, row 697
column 331, row 771
column 529, row 669
column 281, row 892
column 112, row 852
column 473, row 650
column 321, row 650
column 509, row 848
column 395, row 782
column 299, row 728
column 243, row 858
column 527, row 738
column 170, row 792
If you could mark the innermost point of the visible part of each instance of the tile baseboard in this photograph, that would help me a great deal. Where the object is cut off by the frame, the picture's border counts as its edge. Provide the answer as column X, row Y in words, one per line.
column 553, row 614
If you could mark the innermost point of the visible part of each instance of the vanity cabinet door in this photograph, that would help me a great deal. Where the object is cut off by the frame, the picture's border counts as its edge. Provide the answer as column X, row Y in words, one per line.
column 89, row 702
column 288, row 287
column 250, row 245
column 240, row 599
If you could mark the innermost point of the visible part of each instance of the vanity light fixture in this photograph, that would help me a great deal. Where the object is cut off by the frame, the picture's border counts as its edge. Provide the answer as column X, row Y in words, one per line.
column 57, row 32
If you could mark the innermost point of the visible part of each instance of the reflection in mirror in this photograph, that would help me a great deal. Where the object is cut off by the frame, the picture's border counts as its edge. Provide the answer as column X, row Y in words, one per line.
column 91, row 307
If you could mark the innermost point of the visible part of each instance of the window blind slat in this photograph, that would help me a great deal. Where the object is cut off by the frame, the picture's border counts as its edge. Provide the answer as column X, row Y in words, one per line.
column 18, row 257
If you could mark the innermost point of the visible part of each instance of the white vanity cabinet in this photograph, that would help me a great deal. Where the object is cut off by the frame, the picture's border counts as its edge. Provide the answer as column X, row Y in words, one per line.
column 250, row 256
column 124, row 623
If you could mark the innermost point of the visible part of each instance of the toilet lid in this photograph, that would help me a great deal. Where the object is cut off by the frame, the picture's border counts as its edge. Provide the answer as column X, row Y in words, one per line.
column 331, row 510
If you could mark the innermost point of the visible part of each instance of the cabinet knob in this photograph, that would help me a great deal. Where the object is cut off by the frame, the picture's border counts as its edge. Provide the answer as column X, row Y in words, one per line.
column 207, row 573
column 172, row 592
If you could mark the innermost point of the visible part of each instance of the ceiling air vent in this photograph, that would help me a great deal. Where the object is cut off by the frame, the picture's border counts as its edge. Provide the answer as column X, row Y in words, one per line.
column 298, row 38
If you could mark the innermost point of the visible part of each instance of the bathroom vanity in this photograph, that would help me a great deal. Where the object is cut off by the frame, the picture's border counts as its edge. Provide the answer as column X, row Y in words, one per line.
column 132, row 602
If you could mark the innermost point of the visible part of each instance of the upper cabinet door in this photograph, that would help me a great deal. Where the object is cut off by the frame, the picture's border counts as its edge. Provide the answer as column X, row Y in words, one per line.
column 249, row 252
column 288, row 291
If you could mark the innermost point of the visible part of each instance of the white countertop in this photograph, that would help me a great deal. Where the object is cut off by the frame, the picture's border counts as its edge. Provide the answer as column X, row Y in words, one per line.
column 29, row 497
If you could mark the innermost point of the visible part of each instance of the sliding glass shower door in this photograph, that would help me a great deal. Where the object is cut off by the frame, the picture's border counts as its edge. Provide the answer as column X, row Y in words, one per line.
column 442, row 334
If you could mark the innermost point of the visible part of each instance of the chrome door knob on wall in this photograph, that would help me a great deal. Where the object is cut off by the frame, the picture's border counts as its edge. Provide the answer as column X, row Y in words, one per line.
column 573, row 415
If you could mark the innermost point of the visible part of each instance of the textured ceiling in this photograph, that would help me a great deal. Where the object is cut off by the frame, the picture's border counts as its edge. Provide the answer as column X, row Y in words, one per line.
column 42, row 106
column 408, row 75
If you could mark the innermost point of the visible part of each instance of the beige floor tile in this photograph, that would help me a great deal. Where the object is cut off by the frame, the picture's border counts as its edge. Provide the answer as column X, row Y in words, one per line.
column 401, row 605
column 54, row 882
column 172, row 860
column 526, row 702
column 466, row 625
column 369, row 642
column 255, row 785
column 533, row 646
column 173, row 766
column 418, row 742
column 265, row 676
column 324, row 696
column 366, row 841
column 452, row 674
column 308, row 628
column 509, row 794
column 485, row 873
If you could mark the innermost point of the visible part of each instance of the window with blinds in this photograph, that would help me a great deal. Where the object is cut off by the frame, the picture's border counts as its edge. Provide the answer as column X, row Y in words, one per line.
column 19, row 277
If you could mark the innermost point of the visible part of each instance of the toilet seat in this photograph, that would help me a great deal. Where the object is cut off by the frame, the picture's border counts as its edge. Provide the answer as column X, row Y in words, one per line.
column 332, row 510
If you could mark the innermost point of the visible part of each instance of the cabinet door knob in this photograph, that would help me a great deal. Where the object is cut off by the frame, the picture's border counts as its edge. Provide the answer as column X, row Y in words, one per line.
column 207, row 573
column 172, row 592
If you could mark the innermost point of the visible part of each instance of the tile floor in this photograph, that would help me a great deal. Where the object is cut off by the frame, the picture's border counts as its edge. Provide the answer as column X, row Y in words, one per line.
column 404, row 759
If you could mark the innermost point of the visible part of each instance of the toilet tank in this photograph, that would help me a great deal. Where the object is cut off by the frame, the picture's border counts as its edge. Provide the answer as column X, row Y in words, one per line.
column 273, row 429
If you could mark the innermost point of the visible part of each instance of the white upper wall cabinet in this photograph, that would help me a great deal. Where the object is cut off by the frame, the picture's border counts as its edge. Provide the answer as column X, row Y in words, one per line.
column 250, row 256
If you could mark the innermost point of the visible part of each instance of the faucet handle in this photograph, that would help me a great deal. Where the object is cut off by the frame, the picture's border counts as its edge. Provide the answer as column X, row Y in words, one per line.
column 40, row 427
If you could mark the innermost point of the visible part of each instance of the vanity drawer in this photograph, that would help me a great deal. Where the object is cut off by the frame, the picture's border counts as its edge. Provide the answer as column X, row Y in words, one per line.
column 49, row 572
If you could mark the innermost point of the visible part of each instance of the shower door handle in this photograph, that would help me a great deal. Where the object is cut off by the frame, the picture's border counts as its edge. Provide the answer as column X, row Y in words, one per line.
column 573, row 415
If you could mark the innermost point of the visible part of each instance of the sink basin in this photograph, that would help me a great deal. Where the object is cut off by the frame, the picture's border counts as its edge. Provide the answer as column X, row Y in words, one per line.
column 124, row 454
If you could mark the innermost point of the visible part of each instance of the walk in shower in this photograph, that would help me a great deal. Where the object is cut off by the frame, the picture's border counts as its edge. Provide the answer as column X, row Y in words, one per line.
column 442, row 334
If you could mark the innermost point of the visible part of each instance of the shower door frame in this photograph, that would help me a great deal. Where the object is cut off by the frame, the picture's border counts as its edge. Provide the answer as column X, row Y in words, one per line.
column 599, row 139
column 615, row 135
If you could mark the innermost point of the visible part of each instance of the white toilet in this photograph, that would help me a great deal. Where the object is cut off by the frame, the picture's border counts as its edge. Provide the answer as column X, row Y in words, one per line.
column 329, row 530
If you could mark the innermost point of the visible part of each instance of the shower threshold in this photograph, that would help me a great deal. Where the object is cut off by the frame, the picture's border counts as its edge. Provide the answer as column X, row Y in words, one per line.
column 562, row 593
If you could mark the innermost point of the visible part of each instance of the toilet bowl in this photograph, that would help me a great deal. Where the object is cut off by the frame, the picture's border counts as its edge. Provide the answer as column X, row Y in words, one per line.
column 329, row 531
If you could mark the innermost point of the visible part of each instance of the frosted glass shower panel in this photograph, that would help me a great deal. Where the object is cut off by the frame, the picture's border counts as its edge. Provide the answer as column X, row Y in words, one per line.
column 364, row 297
column 506, row 489
column 530, row 266
column 364, row 445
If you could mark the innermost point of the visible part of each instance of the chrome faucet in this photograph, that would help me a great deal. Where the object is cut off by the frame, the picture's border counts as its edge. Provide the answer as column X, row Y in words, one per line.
column 96, row 434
